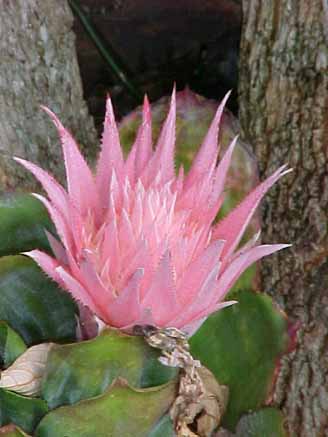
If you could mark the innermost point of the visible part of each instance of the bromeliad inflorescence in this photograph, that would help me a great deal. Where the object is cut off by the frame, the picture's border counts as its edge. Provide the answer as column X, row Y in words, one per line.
column 138, row 243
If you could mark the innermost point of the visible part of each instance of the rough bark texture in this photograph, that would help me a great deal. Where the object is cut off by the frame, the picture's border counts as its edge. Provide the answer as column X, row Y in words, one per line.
column 284, row 114
column 37, row 66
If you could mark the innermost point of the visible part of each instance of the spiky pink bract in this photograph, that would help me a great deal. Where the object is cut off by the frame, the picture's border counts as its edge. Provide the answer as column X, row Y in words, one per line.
column 138, row 243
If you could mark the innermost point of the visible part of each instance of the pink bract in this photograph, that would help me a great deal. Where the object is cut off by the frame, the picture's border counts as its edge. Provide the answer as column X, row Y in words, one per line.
column 138, row 243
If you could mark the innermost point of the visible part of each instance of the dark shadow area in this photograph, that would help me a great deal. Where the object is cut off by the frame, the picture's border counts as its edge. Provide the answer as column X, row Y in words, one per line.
column 159, row 42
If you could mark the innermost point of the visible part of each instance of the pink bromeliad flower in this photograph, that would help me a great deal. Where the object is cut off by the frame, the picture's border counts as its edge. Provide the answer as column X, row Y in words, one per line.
column 138, row 242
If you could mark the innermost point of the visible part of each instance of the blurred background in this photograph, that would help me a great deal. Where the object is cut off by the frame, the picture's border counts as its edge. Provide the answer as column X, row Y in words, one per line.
column 191, row 42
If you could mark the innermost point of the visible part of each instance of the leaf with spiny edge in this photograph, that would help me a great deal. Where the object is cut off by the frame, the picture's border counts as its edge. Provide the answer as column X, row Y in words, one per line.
column 82, row 370
column 120, row 411
column 241, row 346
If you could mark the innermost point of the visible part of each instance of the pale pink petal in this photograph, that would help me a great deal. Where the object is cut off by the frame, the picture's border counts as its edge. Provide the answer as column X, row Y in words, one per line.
column 165, row 145
column 57, row 248
column 91, row 281
column 178, row 183
column 58, row 197
column 55, row 191
column 146, row 318
column 138, row 244
column 77, row 290
column 161, row 297
column 162, row 161
column 111, row 156
column 80, row 182
column 76, row 223
column 240, row 264
column 142, row 148
column 201, row 299
column 250, row 243
column 232, row 227
column 126, row 233
column 111, row 250
column 209, row 150
column 129, row 167
column 129, row 298
column 197, row 271
column 140, row 257
column 60, row 223
column 144, row 145
column 47, row 264
column 192, row 327
column 222, row 171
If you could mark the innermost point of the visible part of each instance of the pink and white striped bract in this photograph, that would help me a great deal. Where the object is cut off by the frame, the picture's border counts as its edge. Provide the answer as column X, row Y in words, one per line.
column 138, row 244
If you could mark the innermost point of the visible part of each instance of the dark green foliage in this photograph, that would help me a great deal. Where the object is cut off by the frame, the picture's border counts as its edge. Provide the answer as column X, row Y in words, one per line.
column 11, row 345
column 20, row 410
column 121, row 411
column 268, row 422
column 22, row 222
column 83, row 370
column 32, row 304
column 241, row 346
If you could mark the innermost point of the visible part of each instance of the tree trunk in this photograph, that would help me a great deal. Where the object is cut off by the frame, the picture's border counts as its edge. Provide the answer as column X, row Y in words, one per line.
column 284, row 114
column 37, row 66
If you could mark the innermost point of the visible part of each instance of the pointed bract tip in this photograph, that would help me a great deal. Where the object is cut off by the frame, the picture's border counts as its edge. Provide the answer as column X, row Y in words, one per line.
column 228, row 94
column 109, row 109
column 26, row 253
column 224, row 102
column 53, row 117
column 19, row 160
column 146, row 101
column 172, row 110
column 174, row 93
column 288, row 170
column 257, row 235
column 232, row 145
column 281, row 171
column 285, row 246
column 40, row 197
column 277, row 247
column 146, row 112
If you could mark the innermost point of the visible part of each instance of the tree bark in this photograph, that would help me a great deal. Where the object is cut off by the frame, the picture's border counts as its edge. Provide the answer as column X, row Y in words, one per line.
column 284, row 114
column 38, row 65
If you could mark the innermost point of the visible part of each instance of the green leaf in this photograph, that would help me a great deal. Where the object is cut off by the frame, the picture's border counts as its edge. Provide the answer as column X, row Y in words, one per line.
column 20, row 410
column 32, row 304
column 11, row 345
column 12, row 431
column 241, row 345
column 164, row 428
column 120, row 412
column 83, row 370
column 22, row 222
column 267, row 422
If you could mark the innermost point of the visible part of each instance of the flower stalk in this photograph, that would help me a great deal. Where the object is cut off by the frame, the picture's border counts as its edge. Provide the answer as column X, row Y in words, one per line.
column 201, row 401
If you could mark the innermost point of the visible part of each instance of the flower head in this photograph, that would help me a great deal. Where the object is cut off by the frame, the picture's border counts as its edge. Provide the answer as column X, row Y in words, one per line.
column 137, row 242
